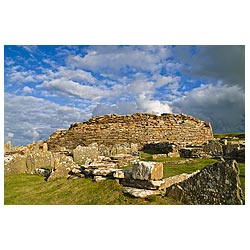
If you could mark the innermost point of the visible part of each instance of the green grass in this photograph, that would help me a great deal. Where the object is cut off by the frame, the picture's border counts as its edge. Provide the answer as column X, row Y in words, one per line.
column 189, row 167
column 237, row 135
column 21, row 189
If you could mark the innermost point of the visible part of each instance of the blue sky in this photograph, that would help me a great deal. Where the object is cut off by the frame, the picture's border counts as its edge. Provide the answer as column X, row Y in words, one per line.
column 50, row 87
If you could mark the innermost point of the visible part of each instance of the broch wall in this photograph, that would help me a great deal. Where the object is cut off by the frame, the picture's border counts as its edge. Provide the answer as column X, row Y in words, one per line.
column 139, row 128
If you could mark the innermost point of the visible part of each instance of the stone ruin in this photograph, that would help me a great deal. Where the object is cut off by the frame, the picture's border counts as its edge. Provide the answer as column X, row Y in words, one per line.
column 109, row 147
column 139, row 129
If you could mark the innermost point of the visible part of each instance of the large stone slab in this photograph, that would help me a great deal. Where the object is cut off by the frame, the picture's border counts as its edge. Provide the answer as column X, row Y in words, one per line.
column 143, row 170
column 140, row 193
column 144, row 184
column 218, row 183
column 167, row 182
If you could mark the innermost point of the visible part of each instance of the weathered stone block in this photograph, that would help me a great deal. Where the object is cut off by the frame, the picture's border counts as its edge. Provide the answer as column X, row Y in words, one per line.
column 143, row 170
column 213, row 148
column 218, row 183
column 123, row 173
column 83, row 154
column 14, row 164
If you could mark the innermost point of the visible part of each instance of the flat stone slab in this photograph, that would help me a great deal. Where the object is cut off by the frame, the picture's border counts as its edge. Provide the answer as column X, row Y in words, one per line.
column 96, row 165
column 143, row 184
column 140, row 193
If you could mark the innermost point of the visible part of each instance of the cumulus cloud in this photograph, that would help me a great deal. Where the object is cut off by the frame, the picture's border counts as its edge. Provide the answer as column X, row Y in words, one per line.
column 142, row 104
column 145, row 104
column 27, row 90
column 29, row 118
column 222, row 105
column 166, row 80
column 119, row 60
column 16, row 76
column 121, row 108
column 63, row 86
column 74, row 75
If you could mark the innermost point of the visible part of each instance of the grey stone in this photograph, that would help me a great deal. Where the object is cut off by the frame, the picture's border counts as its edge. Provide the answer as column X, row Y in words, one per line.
column 99, row 178
column 218, row 183
column 144, row 184
column 62, row 166
column 213, row 148
column 14, row 164
column 39, row 159
column 83, row 154
column 103, row 171
column 123, row 173
column 140, row 193
column 42, row 172
column 143, row 170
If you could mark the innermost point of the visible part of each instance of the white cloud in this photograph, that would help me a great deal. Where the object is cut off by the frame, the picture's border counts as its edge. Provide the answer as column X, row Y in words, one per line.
column 166, row 80
column 145, row 104
column 27, row 90
column 140, row 86
column 74, row 75
column 29, row 118
column 118, row 60
column 21, row 76
column 64, row 86
column 121, row 108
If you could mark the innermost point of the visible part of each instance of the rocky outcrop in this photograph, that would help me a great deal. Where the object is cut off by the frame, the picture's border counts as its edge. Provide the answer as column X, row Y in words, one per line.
column 137, row 129
column 215, row 184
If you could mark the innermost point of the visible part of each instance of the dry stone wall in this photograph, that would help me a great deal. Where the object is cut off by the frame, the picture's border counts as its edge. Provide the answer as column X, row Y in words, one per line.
column 139, row 128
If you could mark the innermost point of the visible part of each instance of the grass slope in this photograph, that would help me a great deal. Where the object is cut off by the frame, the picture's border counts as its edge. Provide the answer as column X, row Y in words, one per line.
column 33, row 190
column 21, row 189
